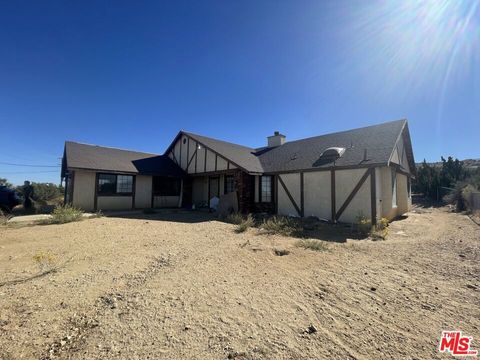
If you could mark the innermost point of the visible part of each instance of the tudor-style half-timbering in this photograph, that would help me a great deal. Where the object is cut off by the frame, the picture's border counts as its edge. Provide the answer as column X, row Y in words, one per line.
column 194, row 157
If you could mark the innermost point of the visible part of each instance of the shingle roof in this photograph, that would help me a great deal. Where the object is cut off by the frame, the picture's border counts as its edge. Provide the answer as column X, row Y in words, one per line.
column 84, row 156
column 240, row 155
column 377, row 140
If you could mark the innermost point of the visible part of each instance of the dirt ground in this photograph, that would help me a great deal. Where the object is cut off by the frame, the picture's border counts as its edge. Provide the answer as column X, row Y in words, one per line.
column 184, row 286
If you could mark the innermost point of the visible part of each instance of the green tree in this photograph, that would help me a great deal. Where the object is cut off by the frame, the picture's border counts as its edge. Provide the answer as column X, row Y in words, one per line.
column 5, row 182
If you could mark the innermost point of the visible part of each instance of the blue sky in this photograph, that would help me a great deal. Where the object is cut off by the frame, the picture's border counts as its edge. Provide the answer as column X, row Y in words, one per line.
column 131, row 74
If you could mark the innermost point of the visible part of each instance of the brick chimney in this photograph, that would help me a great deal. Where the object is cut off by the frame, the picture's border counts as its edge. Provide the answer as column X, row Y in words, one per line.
column 276, row 139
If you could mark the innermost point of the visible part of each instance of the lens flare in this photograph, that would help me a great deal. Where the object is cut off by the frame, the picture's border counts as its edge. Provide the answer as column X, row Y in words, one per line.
column 416, row 47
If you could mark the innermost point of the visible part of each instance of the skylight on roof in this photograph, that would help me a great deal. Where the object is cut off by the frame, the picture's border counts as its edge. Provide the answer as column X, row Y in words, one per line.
column 333, row 152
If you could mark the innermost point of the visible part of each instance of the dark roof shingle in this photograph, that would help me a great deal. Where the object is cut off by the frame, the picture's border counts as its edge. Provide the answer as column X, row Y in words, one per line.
column 84, row 156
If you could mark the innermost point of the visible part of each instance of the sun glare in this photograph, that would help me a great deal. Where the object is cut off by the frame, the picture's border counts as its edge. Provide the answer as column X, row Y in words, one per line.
column 417, row 44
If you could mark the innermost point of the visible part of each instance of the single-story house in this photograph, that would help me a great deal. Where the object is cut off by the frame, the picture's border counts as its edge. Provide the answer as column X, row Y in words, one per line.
column 337, row 177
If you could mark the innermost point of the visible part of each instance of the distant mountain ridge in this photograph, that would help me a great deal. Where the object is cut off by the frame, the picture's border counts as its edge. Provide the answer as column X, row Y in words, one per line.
column 468, row 163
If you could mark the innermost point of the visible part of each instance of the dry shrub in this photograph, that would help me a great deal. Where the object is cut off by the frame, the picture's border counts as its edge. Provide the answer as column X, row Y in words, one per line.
column 4, row 217
column 65, row 214
column 246, row 223
column 235, row 218
column 281, row 225
column 316, row 245
column 364, row 228
column 45, row 261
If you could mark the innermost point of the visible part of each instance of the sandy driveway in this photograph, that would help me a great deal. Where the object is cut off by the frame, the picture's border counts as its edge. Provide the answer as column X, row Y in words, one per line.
column 192, row 288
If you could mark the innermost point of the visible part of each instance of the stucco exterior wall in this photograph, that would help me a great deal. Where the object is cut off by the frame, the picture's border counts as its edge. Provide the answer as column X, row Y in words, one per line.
column 114, row 203
column 404, row 202
column 210, row 161
column 345, row 182
column 143, row 192
column 285, row 206
column 84, row 190
column 317, row 194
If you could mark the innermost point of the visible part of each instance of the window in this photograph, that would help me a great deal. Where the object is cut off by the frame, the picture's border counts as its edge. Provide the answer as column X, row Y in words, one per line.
column 165, row 186
column 230, row 185
column 265, row 188
column 394, row 188
column 111, row 184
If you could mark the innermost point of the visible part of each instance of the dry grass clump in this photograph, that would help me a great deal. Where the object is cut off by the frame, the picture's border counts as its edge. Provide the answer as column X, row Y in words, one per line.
column 316, row 245
column 281, row 225
column 4, row 217
column 364, row 228
column 242, row 221
column 246, row 223
column 65, row 214
column 45, row 261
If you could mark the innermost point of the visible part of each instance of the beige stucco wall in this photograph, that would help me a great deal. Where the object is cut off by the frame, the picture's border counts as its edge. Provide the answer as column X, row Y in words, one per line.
column 210, row 161
column 201, row 159
column 84, row 190
column 114, row 203
column 345, row 181
column 166, row 201
column 404, row 202
column 143, row 192
column 285, row 206
column 317, row 194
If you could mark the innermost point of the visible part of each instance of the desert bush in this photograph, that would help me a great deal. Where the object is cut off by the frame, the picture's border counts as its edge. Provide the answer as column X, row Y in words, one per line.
column 246, row 223
column 45, row 261
column 362, row 225
column 316, row 245
column 364, row 228
column 281, row 225
column 235, row 218
column 4, row 217
column 381, row 230
column 66, row 214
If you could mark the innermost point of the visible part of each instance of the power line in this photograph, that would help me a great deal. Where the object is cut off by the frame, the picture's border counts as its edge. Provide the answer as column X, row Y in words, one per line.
column 27, row 165
column 28, row 172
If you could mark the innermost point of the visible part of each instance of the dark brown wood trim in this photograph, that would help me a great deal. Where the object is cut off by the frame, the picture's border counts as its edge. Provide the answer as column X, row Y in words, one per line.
column 95, row 199
column 289, row 195
column 275, row 194
column 134, row 186
column 219, row 172
column 333, row 194
column 153, row 197
column 352, row 194
column 220, row 155
column 373, row 196
column 180, row 164
column 174, row 157
column 228, row 165
column 351, row 167
column 302, row 196
column 205, row 163
column 216, row 159
column 194, row 155
column 188, row 153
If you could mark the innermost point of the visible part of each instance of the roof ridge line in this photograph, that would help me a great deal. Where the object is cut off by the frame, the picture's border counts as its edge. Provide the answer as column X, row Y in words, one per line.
column 111, row 147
